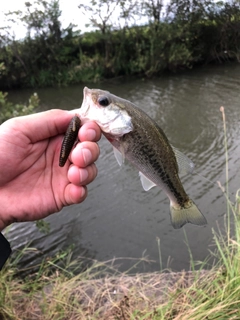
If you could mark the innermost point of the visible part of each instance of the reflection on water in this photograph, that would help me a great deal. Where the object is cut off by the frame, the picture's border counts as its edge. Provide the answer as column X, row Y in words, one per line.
column 119, row 219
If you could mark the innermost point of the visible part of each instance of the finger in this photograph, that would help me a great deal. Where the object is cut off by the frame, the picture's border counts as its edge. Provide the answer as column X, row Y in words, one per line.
column 89, row 131
column 75, row 194
column 82, row 176
column 84, row 154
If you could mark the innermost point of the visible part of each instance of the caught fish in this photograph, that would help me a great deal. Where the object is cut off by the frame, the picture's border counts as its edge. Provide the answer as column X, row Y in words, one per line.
column 139, row 139
column 69, row 140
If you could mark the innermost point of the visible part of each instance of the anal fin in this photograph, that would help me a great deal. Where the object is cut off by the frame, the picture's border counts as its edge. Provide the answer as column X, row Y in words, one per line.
column 146, row 183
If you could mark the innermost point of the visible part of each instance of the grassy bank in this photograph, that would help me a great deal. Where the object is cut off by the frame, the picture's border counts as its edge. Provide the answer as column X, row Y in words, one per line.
column 100, row 292
column 54, row 291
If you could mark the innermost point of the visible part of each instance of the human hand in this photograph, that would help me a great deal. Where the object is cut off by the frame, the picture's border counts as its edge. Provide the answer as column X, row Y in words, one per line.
column 32, row 185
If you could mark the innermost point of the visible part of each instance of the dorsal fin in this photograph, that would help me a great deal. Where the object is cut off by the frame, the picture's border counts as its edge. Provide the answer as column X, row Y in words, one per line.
column 185, row 165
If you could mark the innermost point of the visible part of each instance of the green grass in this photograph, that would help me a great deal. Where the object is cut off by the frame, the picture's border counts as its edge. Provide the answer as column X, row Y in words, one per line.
column 101, row 292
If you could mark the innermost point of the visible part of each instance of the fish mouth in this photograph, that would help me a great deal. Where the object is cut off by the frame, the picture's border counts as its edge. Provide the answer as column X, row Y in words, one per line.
column 86, row 102
column 89, row 102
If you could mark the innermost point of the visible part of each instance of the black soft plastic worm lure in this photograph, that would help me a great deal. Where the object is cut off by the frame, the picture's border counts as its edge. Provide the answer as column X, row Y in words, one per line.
column 69, row 139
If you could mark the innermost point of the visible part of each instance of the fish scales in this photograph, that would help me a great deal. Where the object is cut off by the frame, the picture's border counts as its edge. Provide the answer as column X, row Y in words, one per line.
column 157, row 163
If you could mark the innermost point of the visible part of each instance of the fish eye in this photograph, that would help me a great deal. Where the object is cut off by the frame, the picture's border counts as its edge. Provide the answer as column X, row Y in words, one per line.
column 103, row 101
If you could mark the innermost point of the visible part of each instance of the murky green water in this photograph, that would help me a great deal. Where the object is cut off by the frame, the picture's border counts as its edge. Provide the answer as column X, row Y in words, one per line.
column 119, row 219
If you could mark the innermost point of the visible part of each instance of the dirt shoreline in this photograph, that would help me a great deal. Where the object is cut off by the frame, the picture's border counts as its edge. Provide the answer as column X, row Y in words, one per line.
column 115, row 297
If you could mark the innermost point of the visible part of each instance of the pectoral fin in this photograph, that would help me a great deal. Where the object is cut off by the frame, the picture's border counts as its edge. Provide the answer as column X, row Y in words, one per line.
column 146, row 183
column 119, row 156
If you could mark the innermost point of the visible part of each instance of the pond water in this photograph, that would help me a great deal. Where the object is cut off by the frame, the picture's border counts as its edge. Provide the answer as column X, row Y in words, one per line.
column 119, row 219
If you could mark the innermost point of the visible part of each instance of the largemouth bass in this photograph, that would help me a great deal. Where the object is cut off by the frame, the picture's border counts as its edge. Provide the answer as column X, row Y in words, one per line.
column 139, row 139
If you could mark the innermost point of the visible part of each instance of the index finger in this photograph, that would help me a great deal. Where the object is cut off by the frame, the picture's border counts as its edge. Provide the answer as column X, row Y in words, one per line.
column 42, row 125
column 89, row 131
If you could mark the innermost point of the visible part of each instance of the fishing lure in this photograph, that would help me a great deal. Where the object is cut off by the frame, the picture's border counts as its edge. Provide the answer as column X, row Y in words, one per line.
column 69, row 139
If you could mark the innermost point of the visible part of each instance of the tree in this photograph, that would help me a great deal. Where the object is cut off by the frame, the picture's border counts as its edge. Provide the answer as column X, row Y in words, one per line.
column 129, row 13
column 42, row 19
column 101, row 13
column 46, row 52
column 153, row 10
column 190, row 11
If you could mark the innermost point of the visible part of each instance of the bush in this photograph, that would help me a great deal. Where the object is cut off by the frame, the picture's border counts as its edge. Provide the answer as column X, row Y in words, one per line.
column 9, row 110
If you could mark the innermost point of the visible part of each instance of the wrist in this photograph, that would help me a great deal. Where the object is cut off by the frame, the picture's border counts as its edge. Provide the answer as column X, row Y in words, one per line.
column 2, row 225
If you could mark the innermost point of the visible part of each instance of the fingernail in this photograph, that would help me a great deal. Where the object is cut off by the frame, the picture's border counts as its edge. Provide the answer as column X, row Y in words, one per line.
column 91, row 134
column 87, row 156
column 83, row 175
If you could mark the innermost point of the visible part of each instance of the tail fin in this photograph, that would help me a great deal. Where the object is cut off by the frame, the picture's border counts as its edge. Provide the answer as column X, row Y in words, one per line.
column 191, row 214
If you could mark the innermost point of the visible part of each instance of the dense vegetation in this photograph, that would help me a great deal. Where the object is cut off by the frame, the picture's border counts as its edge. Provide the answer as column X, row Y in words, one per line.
column 177, row 35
